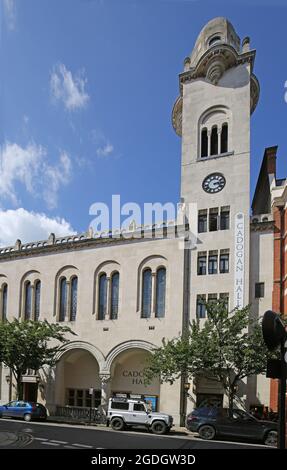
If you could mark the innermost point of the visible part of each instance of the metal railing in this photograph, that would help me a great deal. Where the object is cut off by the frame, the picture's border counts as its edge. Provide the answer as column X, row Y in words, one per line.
column 83, row 414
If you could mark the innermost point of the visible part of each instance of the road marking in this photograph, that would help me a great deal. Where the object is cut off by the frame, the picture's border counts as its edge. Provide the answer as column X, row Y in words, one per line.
column 40, row 439
column 69, row 447
column 50, row 443
column 59, row 442
column 83, row 445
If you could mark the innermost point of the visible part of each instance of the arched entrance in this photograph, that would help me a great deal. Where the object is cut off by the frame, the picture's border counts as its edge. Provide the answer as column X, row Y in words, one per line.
column 77, row 380
column 127, row 377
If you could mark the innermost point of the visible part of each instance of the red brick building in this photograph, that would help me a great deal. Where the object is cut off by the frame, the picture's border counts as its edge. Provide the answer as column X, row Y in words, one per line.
column 271, row 195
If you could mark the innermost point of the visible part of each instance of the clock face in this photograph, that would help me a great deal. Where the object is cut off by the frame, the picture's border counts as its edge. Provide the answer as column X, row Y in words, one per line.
column 214, row 183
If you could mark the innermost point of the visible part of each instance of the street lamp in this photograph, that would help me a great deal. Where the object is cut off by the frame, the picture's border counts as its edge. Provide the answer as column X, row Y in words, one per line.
column 186, row 387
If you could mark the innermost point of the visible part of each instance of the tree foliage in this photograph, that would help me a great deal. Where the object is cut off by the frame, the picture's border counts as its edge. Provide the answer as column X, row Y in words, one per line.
column 30, row 345
column 226, row 347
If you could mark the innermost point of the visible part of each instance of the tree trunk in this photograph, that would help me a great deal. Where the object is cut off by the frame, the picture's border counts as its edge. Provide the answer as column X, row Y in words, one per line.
column 231, row 396
column 19, row 387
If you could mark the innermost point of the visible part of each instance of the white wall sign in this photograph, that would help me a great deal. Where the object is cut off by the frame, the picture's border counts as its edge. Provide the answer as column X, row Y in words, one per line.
column 239, row 261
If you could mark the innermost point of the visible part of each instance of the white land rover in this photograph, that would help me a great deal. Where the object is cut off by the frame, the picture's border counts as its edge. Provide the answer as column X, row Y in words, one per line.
column 126, row 412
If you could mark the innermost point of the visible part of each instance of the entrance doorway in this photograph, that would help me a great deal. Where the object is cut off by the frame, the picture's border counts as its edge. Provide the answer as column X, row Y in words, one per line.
column 30, row 392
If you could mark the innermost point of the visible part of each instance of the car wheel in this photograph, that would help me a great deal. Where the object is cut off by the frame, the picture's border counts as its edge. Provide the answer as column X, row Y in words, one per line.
column 158, row 427
column 27, row 417
column 117, row 424
column 207, row 432
column 271, row 439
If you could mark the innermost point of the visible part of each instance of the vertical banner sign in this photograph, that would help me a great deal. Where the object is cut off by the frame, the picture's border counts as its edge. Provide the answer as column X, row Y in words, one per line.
column 239, row 261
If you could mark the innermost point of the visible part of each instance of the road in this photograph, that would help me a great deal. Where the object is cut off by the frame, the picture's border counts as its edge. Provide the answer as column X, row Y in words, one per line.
column 18, row 434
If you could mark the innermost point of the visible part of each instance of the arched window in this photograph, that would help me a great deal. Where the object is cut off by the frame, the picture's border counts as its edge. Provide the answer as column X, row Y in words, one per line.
column 4, row 301
column 214, row 40
column 37, row 299
column 224, row 138
column 204, row 143
column 115, row 295
column 160, row 292
column 146, row 293
column 102, row 304
column 63, row 299
column 74, row 298
column 214, row 141
column 28, row 301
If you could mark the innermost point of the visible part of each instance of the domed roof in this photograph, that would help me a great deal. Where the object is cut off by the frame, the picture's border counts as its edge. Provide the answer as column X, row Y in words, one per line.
column 217, row 31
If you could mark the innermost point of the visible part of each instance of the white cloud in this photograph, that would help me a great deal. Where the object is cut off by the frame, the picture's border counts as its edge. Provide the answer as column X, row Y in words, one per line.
column 55, row 176
column 10, row 13
column 68, row 88
column 29, row 226
column 28, row 166
column 105, row 150
column 19, row 164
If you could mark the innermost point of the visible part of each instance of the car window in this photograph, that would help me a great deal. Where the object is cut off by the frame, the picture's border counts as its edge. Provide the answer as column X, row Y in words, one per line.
column 119, row 405
column 22, row 404
column 139, row 407
column 239, row 414
column 12, row 403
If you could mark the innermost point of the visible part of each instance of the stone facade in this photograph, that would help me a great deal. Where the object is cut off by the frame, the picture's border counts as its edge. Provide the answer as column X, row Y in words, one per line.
column 218, row 93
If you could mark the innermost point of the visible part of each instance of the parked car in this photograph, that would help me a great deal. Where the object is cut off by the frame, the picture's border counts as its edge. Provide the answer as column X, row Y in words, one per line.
column 23, row 409
column 218, row 422
column 126, row 412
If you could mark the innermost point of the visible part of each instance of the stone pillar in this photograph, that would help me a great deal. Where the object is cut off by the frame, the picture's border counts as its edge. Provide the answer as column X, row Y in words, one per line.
column 219, row 140
column 209, row 142
column 105, row 390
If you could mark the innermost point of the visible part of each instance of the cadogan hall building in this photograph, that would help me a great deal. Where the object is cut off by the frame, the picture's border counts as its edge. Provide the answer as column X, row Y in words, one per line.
column 123, row 295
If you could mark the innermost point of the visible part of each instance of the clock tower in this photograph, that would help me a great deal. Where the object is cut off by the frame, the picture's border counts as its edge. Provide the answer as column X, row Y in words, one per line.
column 218, row 94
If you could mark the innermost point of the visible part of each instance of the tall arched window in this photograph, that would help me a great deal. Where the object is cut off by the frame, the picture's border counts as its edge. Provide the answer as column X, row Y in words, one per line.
column 37, row 299
column 146, row 293
column 204, row 143
column 160, row 292
column 224, row 138
column 74, row 298
column 214, row 141
column 4, row 301
column 102, row 304
column 28, row 301
column 63, row 299
column 115, row 295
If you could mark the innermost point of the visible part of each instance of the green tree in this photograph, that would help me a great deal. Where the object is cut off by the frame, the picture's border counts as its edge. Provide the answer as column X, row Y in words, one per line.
column 30, row 345
column 226, row 347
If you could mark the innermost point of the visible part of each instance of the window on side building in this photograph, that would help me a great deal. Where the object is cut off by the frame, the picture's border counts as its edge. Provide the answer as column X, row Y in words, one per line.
column 259, row 290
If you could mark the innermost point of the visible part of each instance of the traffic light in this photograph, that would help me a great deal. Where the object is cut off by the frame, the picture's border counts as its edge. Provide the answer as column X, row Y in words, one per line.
column 273, row 330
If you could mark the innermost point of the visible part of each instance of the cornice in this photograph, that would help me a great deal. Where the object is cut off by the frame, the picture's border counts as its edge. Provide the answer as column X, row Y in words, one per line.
column 81, row 242
column 262, row 226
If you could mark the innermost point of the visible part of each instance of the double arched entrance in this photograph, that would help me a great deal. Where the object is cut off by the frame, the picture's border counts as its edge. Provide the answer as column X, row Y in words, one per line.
column 84, row 378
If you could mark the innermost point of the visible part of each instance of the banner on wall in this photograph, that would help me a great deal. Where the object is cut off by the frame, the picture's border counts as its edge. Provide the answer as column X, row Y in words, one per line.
column 239, row 261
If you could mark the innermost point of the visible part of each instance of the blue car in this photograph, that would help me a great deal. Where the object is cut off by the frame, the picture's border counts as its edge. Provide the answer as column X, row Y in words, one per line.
column 23, row 409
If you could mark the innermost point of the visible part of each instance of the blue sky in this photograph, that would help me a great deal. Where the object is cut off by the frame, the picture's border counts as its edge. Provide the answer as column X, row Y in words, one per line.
column 87, row 90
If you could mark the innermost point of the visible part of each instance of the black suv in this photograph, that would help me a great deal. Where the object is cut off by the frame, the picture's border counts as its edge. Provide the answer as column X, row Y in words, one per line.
column 219, row 422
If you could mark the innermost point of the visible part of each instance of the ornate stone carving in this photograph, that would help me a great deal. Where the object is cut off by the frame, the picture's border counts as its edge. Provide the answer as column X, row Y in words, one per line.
column 177, row 116
column 215, row 71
